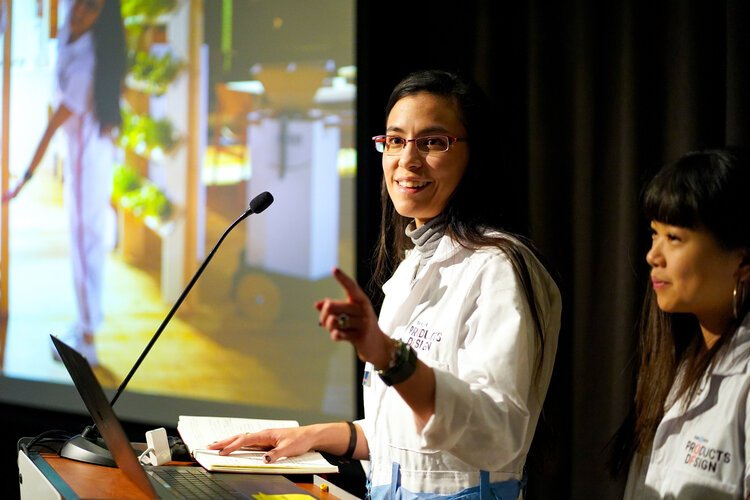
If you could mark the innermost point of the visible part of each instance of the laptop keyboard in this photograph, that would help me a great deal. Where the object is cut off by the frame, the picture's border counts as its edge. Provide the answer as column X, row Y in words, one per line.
column 193, row 482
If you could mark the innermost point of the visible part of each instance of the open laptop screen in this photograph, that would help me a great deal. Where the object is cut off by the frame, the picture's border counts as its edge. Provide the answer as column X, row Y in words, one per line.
column 104, row 417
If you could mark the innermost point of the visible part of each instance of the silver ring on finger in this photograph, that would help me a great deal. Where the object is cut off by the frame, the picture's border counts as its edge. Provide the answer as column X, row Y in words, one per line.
column 343, row 321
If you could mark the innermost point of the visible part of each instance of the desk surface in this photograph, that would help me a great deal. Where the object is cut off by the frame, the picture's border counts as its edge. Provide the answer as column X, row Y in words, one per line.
column 95, row 481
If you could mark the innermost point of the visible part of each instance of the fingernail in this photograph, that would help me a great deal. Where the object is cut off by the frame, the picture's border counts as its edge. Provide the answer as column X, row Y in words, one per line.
column 267, row 458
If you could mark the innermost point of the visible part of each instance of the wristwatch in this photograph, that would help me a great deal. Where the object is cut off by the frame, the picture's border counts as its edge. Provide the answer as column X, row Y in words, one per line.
column 402, row 365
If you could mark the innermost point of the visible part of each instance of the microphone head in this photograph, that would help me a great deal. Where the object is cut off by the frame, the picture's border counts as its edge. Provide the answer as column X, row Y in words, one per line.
column 261, row 202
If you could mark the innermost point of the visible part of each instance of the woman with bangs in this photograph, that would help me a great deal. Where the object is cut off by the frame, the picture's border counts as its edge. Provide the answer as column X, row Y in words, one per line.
column 687, row 434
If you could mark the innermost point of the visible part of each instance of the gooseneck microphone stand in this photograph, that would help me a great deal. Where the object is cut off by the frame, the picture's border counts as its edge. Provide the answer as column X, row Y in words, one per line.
column 87, row 447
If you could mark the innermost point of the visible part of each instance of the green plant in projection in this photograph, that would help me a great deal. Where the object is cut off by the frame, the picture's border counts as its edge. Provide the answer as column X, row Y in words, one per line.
column 143, row 134
column 125, row 180
column 153, row 73
column 137, row 194
column 148, row 201
column 139, row 16
column 146, row 10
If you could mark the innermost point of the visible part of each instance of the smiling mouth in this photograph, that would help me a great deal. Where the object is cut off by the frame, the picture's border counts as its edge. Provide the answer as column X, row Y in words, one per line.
column 412, row 184
column 658, row 283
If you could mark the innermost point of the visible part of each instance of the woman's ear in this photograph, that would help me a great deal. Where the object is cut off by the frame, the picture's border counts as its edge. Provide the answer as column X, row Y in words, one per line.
column 743, row 273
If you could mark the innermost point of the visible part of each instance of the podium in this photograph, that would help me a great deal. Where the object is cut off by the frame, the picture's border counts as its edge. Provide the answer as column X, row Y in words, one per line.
column 44, row 476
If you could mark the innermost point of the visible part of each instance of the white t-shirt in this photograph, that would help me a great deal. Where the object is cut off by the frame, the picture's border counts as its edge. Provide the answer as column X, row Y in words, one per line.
column 88, row 149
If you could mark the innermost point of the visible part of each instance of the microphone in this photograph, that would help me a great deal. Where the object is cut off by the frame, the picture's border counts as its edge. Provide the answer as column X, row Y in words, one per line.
column 82, row 446
column 259, row 203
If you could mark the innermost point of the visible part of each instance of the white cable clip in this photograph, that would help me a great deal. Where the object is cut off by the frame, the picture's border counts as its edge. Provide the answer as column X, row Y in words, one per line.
column 145, row 457
column 158, row 452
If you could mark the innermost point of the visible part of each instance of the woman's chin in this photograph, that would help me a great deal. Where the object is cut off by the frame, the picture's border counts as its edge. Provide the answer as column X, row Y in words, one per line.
column 410, row 211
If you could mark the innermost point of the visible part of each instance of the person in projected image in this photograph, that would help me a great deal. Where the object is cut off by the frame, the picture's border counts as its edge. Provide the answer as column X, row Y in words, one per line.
column 458, row 364
column 686, row 437
column 90, row 71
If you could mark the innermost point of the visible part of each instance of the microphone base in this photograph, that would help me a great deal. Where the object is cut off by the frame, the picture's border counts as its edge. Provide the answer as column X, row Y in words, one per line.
column 86, row 450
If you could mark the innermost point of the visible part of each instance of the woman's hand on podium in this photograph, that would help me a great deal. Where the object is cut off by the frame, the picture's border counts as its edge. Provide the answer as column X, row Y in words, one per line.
column 277, row 443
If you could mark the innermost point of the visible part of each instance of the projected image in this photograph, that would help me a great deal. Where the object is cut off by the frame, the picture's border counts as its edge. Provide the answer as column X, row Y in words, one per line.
column 221, row 101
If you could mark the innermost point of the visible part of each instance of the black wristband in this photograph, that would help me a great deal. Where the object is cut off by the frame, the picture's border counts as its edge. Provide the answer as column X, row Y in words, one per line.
column 402, row 366
column 352, row 441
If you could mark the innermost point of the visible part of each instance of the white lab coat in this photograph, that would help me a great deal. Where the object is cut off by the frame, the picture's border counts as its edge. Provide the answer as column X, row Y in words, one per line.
column 700, row 452
column 466, row 316
column 88, row 178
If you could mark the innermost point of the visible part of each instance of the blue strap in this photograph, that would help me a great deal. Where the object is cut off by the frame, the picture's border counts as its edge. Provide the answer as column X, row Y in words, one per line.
column 395, row 479
column 484, row 485
column 53, row 477
column 508, row 489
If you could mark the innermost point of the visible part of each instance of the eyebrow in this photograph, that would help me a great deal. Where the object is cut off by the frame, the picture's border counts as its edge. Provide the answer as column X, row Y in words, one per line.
column 429, row 130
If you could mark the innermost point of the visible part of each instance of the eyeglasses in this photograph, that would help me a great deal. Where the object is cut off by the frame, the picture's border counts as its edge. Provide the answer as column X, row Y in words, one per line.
column 393, row 144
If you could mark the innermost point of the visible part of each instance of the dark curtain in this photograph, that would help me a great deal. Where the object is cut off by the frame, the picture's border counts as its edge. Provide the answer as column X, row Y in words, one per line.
column 592, row 98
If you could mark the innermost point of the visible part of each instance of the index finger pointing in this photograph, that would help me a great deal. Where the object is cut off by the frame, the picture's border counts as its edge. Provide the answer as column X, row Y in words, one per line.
column 353, row 291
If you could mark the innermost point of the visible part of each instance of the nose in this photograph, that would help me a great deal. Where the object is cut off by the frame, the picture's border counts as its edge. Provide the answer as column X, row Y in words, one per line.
column 410, row 157
column 654, row 256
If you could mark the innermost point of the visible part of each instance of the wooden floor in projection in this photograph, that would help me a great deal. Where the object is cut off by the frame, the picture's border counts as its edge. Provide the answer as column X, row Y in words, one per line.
column 262, row 361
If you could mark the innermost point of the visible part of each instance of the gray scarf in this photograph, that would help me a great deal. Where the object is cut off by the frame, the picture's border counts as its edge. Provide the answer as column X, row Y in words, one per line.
column 426, row 238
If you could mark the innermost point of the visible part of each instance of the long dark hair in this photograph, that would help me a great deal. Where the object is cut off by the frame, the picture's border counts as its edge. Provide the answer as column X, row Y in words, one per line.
column 468, row 214
column 702, row 190
column 109, row 42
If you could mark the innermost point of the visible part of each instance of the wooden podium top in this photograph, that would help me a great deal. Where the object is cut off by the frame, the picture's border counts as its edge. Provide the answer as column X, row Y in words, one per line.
column 95, row 481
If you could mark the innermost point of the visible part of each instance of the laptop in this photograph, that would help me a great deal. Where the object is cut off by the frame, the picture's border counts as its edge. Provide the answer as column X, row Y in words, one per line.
column 160, row 481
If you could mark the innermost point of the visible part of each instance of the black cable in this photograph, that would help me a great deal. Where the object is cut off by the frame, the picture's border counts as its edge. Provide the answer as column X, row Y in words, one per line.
column 43, row 440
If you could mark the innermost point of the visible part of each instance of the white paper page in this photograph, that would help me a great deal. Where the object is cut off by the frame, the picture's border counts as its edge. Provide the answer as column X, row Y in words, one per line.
column 255, row 459
column 199, row 432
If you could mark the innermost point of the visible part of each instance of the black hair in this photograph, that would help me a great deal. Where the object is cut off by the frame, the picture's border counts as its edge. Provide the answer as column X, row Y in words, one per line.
column 109, row 71
column 703, row 190
column 475, row 207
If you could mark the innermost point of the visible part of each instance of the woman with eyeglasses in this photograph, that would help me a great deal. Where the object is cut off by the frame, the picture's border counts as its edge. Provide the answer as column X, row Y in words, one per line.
column 687, row 437
column 90, row 71
column 459, row 361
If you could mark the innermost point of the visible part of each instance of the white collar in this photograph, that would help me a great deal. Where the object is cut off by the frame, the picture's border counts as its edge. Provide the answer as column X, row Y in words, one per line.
column 736, row 355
